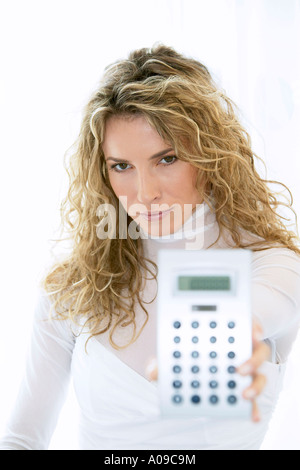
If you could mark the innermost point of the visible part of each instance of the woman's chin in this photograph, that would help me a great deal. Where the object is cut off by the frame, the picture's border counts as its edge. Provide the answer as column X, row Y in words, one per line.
column 158, row 228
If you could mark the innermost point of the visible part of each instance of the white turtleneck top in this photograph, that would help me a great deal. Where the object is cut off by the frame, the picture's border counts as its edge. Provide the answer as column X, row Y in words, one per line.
column 119, row 407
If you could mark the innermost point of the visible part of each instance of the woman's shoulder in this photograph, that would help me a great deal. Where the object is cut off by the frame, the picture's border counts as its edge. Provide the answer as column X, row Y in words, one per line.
column 47, row 317
column 279, row 269
column 277, row 256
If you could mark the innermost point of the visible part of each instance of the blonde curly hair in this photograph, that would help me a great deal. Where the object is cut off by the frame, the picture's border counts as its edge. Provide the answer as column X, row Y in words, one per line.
column 100, row 280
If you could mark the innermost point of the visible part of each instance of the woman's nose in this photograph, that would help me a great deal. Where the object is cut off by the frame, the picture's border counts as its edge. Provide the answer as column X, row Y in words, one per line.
column 148, row 188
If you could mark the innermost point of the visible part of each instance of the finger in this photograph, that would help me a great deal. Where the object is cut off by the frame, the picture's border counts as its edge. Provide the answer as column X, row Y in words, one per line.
column 256, row 388
column 256, row 417
column 257, row 333
column 152, row 370
column 260, row 354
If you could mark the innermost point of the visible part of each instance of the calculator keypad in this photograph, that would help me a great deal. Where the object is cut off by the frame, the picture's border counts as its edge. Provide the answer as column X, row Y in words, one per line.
column 204, row 357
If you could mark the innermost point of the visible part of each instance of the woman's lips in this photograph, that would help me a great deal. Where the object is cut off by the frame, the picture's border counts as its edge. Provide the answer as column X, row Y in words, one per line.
column 155, row 215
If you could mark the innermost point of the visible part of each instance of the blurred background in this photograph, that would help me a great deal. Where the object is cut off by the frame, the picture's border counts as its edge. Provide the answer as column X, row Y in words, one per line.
column 52, row 56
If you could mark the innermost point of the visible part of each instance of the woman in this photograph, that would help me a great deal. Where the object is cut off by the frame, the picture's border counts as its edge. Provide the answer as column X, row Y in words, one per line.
column 156, row 136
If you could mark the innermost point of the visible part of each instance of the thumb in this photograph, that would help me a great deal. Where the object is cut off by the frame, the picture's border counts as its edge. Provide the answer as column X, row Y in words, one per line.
column 152, row 370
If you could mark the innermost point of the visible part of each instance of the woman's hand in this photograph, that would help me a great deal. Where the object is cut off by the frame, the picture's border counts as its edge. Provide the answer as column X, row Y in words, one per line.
column 261, row 353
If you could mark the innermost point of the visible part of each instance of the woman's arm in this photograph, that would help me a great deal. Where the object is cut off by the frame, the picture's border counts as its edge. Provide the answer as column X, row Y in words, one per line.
column 276, row 291
column 45, row 384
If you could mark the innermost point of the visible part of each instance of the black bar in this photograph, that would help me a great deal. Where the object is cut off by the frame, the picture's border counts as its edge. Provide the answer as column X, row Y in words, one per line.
column 204, row 308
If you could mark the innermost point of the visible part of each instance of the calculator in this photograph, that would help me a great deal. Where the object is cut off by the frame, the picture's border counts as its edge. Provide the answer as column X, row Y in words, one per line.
column 204, row 332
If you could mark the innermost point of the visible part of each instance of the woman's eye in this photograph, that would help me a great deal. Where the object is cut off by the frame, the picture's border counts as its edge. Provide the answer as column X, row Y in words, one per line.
column 114, row 167
column 170, row 159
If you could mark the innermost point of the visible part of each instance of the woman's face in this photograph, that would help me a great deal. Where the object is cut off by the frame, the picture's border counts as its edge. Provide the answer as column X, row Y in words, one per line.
column 156, row 188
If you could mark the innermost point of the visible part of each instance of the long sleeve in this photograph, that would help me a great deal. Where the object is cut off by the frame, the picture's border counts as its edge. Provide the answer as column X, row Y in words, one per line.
column 45, row 384
column 276, row 295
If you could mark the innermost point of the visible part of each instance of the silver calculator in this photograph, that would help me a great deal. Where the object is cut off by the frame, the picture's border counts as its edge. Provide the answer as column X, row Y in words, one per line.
column 204, row 332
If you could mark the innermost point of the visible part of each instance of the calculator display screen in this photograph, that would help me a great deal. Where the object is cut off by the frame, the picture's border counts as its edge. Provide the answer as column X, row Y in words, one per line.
column 204, row 283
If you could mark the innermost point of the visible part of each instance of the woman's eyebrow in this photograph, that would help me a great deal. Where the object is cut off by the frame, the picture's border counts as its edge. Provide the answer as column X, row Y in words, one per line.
column 156, row 155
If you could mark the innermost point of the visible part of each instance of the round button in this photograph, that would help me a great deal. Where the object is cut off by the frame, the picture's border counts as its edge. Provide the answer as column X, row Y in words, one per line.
column 213, row 325
column 195, row 369
column 177, row 354
column 177, row 399
column 177, row 339
column 213, row 339
column 195, row 324
column 195, row 384
column 232, row 400
column 213, row 355
column 231, row 340
column 196, row 399
column 231, row 370
column 213, row 369
column 231, row 384
column 214, row 399
column 195, row 354
column 231, row 325
column 213, row 384
column 195, row 339
column 177, row 384
column 231, row 355
column 176, row 369
column 177, row 324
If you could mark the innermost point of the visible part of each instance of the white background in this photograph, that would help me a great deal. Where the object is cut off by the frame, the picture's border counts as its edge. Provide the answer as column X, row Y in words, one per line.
column 53, row 53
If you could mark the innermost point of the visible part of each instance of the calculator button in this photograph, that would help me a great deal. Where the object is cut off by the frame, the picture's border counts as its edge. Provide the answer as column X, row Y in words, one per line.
column 214, row 400
column 232, row 400
column 195, row 369
column 176, row 369
column 213, row 325
column 195, row 384
column 177, row 339
column 231, row 340
column 231, row 384
column 195, row 399
column 195, row 354
column 177, row 384
column 177, row 354
column 213, row 384
column 231, row 355
column 231, row 370
column 195, row 324
column 213, row 339
column 177, row 324
column 213, row 369
column 195, row 339
column 231, row 325
column 177, row 399
column 213, row 355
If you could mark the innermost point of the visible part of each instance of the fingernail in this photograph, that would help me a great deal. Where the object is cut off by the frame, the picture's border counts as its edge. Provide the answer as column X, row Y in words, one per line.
column 151, row 369
column 245, row 369
column 250, row 393
column 259, row 336
column 257, row 416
